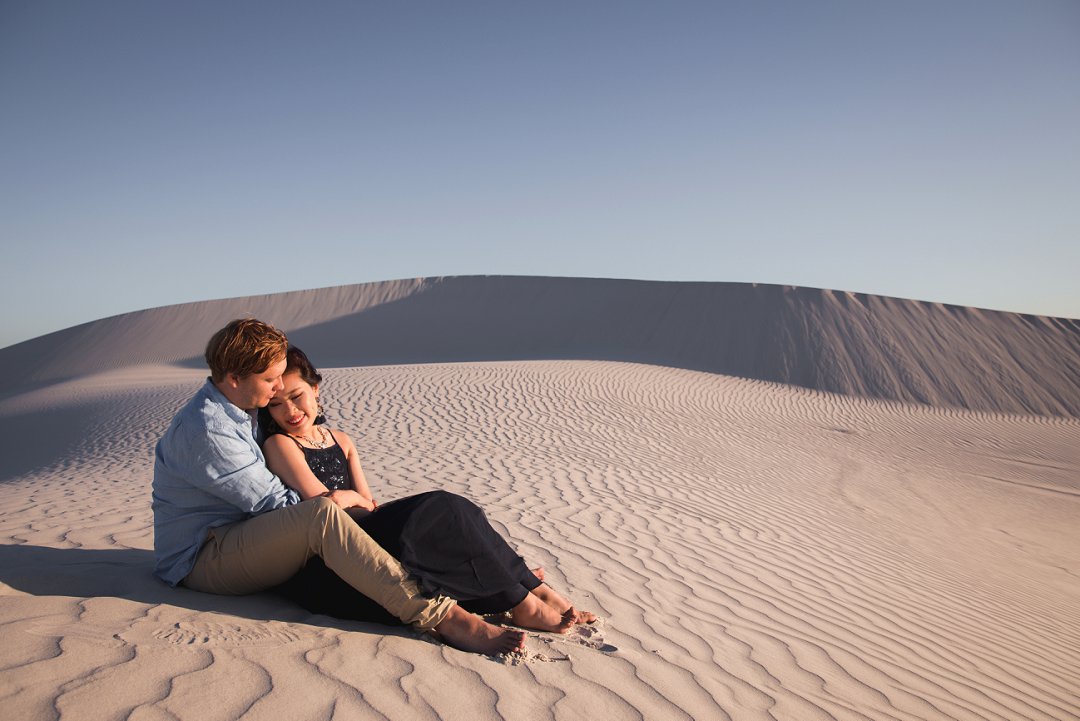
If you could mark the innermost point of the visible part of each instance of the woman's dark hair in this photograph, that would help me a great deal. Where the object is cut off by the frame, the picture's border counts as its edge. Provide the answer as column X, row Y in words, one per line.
column 296, row 361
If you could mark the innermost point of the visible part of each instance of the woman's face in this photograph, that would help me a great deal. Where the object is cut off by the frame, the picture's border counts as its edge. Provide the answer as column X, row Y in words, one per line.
column 294, row 408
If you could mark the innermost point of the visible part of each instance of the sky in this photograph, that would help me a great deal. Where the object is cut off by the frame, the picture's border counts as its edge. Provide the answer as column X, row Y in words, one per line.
column 154, row 152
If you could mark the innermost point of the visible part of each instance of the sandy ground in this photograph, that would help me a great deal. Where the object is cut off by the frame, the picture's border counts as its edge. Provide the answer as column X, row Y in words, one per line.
column 755, row 551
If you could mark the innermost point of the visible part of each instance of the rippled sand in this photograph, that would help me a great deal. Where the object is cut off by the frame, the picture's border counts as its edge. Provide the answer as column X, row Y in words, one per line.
column 754, row 550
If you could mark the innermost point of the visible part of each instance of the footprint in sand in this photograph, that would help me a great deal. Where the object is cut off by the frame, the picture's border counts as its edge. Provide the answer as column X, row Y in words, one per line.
column 196, row 634
column 590, row 636
column 183, row 634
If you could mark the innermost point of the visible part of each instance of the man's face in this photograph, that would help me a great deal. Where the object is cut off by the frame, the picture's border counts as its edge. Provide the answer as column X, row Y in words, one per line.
column 256, row 390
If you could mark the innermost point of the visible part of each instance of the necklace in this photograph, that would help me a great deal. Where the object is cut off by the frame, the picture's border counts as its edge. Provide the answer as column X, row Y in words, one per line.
column 324, row 440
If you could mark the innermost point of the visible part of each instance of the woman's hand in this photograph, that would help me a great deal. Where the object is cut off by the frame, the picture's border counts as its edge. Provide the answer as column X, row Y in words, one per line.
column 350, row 499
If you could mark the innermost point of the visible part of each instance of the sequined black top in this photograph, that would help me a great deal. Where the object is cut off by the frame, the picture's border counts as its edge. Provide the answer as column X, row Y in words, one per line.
column 329, row 465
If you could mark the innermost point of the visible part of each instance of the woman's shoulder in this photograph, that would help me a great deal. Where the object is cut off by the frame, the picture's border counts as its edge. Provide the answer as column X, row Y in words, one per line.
column 341, row 437
column 280, row 443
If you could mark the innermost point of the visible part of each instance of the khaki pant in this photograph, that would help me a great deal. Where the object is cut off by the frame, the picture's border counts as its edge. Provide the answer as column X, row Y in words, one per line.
column 266, row 550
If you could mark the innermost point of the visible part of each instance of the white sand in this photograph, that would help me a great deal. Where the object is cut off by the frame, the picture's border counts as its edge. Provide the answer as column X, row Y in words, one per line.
column 755, row 550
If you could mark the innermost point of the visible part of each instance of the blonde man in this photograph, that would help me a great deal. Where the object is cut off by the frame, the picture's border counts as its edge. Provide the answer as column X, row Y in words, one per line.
column 223, row 523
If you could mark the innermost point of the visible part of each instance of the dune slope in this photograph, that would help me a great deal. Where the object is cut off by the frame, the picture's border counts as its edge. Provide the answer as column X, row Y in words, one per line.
column 854, row 344
column 784, row 503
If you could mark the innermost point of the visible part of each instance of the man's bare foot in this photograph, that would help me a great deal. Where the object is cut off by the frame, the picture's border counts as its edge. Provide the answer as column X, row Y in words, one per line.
column 468, row 632
column 538, row 572
column 552, row 598
column 534, row 613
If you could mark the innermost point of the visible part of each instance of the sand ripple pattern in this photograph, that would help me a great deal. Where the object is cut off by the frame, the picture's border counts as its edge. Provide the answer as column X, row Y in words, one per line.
column 756, row 551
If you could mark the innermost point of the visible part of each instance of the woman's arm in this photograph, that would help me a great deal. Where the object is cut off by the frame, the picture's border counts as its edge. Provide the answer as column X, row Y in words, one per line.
column 360, row 484
column 285, row 459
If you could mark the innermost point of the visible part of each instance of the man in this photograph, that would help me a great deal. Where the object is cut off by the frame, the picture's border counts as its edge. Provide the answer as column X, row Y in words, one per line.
column 223, row 523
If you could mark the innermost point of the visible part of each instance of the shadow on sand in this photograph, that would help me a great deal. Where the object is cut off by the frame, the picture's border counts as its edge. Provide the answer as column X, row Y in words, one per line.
column 128, row 574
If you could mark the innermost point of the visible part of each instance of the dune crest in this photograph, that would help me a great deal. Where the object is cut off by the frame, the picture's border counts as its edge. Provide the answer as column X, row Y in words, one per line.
column 855, row 344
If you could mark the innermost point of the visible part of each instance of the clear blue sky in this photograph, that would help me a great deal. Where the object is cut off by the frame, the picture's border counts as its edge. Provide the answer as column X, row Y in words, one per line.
column 163, row 152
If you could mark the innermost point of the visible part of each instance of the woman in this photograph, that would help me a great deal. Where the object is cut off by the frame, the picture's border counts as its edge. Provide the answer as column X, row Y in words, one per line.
column 445, row 540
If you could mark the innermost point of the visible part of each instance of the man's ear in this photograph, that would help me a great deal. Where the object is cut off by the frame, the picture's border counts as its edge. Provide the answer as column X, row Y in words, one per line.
column 232, row 380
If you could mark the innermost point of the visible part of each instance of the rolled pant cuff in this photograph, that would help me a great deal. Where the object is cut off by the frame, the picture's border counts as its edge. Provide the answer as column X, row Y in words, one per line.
column 433, row 614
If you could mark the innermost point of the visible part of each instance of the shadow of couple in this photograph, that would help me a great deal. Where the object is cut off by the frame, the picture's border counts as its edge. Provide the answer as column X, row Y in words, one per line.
column 127, row 573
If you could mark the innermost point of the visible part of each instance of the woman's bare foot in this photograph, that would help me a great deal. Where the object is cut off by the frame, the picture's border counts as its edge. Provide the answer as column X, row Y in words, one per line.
column 552, row 598
column 534, row 613
column 548, row 595
column 585, row 617
column 468, row 632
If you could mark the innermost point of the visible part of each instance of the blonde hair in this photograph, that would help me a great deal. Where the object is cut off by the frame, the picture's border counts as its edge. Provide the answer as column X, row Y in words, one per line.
column 243, row 347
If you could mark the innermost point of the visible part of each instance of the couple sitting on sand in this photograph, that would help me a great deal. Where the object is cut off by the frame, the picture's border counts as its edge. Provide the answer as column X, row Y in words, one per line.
column 295, row 514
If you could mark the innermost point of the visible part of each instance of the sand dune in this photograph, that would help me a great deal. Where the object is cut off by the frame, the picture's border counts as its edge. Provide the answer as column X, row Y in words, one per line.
column 756, row 550
column 855, row 344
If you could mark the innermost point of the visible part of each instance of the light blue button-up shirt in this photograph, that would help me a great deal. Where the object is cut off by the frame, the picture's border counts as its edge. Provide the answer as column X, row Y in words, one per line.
column 208, row 472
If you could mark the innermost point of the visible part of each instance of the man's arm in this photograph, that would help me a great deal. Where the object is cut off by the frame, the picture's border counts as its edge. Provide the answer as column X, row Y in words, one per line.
column 219, row 461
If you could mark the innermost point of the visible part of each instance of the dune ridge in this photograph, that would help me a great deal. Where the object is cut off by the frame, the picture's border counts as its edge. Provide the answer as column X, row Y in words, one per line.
column 854, row 344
